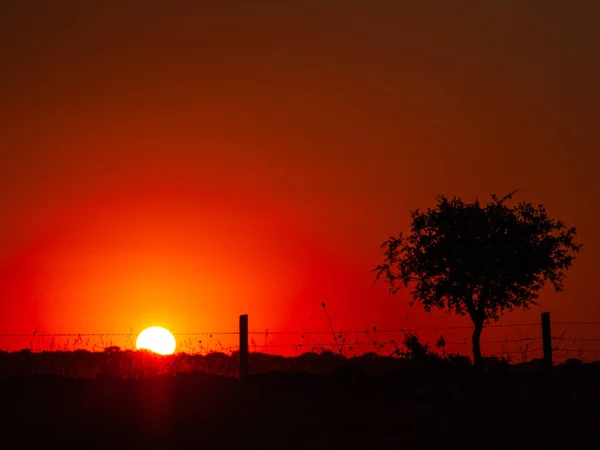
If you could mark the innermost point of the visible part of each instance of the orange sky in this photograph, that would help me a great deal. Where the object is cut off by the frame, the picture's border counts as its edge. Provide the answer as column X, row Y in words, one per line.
column 180, row 163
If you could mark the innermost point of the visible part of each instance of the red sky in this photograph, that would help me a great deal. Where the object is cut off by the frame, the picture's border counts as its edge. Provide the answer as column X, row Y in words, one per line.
column 179, row 163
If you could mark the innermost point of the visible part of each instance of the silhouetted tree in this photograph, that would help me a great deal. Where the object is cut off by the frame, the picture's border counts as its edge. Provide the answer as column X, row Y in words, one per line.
column 480, row 260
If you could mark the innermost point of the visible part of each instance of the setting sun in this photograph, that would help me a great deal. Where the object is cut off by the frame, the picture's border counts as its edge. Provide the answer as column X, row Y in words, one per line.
column 157, row 340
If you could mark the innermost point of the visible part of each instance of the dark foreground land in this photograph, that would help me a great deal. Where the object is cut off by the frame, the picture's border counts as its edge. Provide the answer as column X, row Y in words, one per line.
column 415, row 408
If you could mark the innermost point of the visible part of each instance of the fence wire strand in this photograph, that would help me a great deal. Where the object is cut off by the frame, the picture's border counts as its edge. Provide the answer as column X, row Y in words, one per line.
column 348, row 341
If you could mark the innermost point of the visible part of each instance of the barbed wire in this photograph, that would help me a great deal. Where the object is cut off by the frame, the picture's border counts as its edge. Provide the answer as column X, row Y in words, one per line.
column 516, row 352
column 560, row 338
column 587, row 350
column 575, row 323
column 349, row 345
column 307, row 332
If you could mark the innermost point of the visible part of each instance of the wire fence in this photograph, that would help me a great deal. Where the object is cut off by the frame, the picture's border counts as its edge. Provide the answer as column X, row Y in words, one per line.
column 518, row 342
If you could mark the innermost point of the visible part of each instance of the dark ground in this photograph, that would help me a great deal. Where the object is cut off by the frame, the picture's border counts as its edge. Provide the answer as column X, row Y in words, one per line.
column 416, row 408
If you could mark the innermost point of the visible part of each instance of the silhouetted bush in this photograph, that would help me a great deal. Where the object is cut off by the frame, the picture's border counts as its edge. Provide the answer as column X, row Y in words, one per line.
column 414, row 349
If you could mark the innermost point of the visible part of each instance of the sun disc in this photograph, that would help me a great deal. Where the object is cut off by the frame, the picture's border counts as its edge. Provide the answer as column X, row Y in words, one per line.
column 157, row 340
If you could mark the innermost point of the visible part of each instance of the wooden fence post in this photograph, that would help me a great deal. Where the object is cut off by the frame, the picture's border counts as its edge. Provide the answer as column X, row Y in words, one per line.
column 547, row 340
column 243, row 371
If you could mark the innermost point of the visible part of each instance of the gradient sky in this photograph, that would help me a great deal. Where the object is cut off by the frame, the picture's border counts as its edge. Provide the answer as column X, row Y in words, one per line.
column 179, row 163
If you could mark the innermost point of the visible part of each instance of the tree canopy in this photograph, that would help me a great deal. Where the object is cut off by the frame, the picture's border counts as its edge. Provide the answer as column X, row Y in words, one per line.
column 479, row 259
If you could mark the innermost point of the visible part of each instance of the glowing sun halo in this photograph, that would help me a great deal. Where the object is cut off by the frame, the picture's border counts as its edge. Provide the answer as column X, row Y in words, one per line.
column 157, row 340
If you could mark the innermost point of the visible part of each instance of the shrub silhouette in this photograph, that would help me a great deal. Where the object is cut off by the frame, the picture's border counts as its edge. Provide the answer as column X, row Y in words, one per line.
column 414, row 348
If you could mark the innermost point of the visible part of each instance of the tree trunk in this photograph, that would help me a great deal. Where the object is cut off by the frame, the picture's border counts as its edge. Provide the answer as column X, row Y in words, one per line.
column 477, row 358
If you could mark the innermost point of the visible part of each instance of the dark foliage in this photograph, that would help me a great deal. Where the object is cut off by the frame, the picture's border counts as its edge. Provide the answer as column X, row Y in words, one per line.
column 479, row 259
column 143, row 364
column 415, row 349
